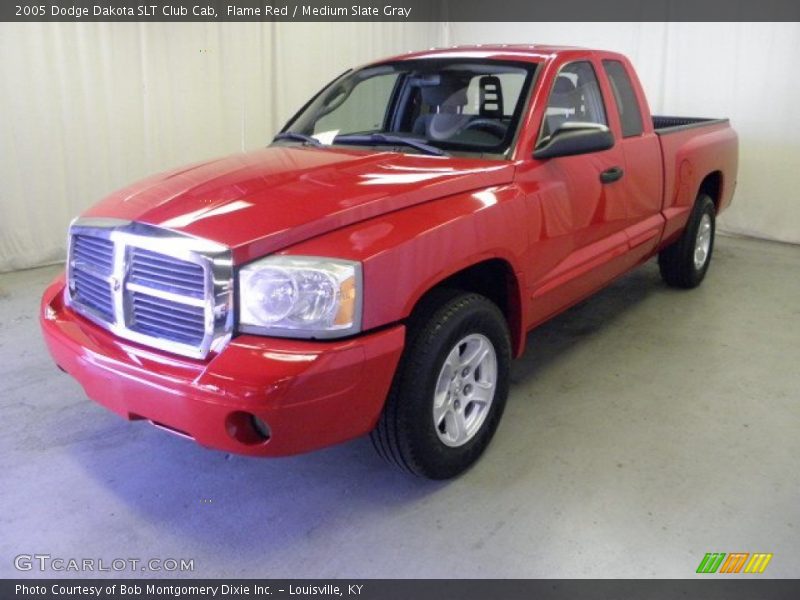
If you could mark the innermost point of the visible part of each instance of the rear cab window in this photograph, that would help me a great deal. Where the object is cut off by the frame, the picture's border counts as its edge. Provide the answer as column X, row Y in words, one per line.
column 630, row 115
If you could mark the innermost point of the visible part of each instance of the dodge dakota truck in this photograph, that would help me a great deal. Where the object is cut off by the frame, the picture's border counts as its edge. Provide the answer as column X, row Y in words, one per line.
column 376, row 268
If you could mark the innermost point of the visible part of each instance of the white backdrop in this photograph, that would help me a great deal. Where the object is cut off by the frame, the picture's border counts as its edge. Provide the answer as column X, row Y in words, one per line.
column 86, row 108
column 745, row 71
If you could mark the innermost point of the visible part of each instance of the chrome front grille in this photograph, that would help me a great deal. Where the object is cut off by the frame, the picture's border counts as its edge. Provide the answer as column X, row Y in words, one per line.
column 93, row 292
column 151, row 285
column 92, row 266
column 167, row 273
column 96, row 253
column 166, row 319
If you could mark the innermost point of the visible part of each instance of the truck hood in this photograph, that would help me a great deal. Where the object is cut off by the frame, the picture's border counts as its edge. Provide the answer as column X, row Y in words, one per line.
column 263, row 201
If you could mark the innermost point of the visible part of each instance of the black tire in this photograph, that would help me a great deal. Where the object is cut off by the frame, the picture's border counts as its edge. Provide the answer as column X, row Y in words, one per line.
column 677, row 261
column 406, row 435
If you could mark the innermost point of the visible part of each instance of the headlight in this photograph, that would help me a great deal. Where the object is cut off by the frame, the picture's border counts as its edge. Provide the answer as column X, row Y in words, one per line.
column 300, row 296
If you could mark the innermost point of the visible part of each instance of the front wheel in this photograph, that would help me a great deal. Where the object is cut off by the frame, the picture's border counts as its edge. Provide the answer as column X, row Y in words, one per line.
column 450, row 388
column 684, row 263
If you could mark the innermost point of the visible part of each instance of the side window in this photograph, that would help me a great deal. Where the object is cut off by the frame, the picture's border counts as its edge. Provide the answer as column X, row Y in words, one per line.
column 625, row 98
column 575, row 97
column 359, row 109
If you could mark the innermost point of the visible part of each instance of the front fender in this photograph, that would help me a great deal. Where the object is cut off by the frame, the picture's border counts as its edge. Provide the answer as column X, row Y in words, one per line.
column 408, row 252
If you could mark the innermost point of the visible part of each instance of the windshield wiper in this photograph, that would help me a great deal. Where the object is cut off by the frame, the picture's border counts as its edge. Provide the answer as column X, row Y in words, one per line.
column 297, row 137
column 382, row 138
column 366, row 139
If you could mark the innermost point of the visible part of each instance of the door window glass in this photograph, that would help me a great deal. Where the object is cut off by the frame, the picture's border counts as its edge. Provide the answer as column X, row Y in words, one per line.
column 575, row 97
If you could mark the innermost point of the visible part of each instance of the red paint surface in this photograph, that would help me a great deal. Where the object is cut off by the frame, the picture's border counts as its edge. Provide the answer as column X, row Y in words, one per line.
column 412, row 221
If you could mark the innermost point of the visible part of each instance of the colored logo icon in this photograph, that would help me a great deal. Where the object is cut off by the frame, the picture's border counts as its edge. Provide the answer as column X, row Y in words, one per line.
column 716, row 562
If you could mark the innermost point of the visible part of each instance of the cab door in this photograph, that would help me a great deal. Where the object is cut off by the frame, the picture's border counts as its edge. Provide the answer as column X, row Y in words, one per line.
column 578, row 202
column 642, row 152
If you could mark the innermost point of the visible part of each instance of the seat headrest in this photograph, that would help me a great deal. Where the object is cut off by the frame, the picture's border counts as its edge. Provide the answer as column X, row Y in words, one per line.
column 491, row 97
column 563, row 85
column 451, row 91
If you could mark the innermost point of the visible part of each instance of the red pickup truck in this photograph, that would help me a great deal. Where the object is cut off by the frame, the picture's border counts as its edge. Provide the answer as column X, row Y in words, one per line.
column 377, row 267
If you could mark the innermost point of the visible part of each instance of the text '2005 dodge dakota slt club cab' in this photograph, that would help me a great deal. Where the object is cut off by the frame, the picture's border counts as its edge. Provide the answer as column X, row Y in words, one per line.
column 377, row 267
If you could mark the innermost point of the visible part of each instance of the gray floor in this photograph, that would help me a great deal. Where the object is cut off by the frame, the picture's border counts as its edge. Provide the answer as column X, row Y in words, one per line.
column 645, row 428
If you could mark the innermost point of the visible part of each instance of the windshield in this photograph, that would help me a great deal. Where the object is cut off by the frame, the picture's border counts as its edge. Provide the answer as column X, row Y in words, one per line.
column 432, row 105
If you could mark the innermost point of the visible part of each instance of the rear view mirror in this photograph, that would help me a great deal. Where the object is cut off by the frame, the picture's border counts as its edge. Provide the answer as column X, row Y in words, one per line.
column 426, row 80
column 574, row 137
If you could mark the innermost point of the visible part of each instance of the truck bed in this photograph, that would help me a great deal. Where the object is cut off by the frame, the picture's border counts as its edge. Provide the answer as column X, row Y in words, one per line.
column 664, row 125
column 692, row 149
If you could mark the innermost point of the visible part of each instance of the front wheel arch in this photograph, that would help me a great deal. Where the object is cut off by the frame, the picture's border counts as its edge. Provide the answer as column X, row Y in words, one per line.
column 494, row 279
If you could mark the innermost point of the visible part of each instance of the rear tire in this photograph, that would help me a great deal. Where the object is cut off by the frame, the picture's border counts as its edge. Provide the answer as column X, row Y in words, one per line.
column 685, row 262
column 450, row 388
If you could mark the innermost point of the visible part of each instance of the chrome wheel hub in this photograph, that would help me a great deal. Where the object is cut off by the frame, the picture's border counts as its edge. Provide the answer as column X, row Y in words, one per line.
column 465, row 390
column 702, row 243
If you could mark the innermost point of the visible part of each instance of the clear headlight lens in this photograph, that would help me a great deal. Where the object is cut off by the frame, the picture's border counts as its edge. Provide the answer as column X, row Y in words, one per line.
column 300, row 296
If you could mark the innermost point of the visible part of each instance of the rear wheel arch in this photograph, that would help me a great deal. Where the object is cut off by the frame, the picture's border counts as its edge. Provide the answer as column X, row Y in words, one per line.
column 712, row 187
column 683, row 264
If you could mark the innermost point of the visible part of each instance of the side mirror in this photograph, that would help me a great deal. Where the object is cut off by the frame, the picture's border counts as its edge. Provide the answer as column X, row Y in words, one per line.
column 574, row 137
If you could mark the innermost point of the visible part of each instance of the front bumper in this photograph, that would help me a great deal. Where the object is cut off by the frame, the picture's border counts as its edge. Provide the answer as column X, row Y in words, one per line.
column 310, row 394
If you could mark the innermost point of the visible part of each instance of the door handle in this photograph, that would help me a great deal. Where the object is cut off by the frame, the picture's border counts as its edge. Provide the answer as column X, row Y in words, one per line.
column 611, row 175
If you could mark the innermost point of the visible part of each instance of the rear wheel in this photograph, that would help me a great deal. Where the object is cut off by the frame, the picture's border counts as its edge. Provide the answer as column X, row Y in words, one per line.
column 450, row 388
column 685, row 262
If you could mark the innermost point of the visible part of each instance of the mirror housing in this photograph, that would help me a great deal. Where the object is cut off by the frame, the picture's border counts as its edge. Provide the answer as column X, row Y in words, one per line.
column 575, row 137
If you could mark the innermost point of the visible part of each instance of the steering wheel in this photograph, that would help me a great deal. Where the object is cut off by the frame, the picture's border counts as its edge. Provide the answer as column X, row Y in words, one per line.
column 492, row 126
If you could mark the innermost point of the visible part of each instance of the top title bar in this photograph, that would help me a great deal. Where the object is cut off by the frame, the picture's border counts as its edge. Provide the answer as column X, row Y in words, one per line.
column 399, row 10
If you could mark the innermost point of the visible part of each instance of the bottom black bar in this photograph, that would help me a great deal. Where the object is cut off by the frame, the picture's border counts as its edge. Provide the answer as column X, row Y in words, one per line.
column 712, row 588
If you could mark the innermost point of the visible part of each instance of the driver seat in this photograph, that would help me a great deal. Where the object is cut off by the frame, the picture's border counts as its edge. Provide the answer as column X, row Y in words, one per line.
column 446, row 102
